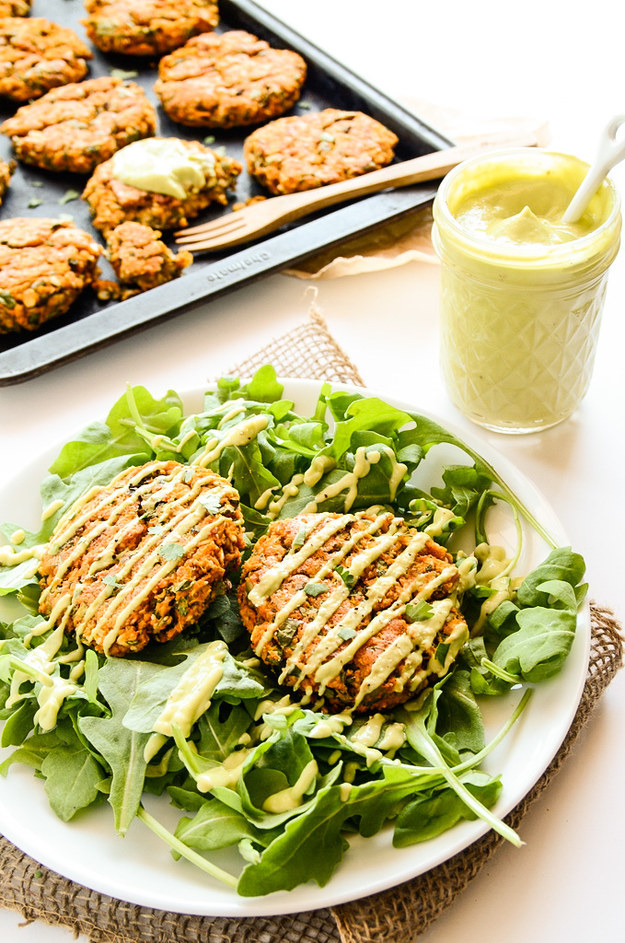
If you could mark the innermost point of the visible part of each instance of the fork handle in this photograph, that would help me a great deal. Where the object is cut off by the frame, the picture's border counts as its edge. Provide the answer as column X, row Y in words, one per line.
column 432, row 166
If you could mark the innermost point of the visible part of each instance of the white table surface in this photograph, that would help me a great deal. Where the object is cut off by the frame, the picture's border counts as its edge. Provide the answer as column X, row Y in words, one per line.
column 539, row 60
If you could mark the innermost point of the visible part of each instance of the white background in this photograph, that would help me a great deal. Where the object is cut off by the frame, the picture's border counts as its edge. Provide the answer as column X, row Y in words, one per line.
column 551, row 61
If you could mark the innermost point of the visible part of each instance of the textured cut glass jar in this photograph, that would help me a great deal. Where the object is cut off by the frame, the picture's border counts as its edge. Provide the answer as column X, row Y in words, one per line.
column 520, row 320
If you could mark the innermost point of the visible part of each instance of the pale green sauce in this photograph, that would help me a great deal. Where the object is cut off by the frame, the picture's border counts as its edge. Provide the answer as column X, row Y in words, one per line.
column 163, row 165
column 226, row 774
column 290, row 798
column 521, row 291
column 192, row 695
column 522, row 211
column 40, row 664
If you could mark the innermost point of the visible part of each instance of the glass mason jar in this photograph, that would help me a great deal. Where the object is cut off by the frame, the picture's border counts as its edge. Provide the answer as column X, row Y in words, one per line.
column 520, row 319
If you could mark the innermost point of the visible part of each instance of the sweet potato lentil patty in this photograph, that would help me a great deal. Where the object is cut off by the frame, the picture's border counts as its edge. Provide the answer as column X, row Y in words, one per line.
column 113, row 202
column 141, row 260
column 229, row 80
column 148, row 28
column 301, row 152
column 76, row 127
column 15, row 8
column 142, row 557
column 357, row 608
column 44, row 265
column 37, row 55
column 6, row 169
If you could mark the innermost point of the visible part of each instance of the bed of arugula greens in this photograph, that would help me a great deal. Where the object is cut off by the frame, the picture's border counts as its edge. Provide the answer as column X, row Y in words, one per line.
column 95, row 753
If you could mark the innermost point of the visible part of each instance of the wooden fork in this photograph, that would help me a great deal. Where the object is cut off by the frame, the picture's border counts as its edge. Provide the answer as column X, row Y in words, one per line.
column 258, row 219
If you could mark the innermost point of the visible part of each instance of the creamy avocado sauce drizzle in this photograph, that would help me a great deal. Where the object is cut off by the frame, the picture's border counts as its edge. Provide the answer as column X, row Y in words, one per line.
column 290, row 798
column 190, row 698
column 227, row 773
column 318, row 468
column 241, row 434
column 39, row 665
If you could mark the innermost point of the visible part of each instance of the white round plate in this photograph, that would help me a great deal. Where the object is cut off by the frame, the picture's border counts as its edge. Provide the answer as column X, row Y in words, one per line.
column 140, row 869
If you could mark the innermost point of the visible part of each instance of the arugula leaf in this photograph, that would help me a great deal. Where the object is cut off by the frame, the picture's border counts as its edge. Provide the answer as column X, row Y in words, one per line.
column 120, row 434
column 123, row 749
column 72, row 775
column 313, row 843
column 215, row 825
column 427, row 817
column 540, row 632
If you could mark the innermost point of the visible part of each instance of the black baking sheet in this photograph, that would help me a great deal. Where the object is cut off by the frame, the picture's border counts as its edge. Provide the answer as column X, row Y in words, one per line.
column 90, row 324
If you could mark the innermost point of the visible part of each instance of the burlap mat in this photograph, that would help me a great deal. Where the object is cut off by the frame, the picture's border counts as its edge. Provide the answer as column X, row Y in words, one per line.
column 400, row 914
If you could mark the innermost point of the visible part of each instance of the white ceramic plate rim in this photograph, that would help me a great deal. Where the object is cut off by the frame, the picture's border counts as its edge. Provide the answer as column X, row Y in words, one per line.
column 139, row 869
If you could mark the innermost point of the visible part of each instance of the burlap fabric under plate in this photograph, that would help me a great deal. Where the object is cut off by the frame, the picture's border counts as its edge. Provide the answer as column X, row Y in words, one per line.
column 402, row 913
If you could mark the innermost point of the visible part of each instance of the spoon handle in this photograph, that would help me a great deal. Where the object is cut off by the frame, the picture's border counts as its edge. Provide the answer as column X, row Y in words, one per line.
column 610, row 152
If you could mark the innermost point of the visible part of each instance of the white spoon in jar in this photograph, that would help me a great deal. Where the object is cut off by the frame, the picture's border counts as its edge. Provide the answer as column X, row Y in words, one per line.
column 610, row 153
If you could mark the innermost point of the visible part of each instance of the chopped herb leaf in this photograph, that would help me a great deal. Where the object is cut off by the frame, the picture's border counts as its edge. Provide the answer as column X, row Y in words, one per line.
column 208, row 140
column 315, row 589
column 348, row 578
column 346, row 633
column 300, row 538
column 7, row 299
column 172, row 551
column 68, row 196
column 210, row 502
column 441, row 652
column 109, row 580
column 33, row 202
column 157, row 530
column 419, row 612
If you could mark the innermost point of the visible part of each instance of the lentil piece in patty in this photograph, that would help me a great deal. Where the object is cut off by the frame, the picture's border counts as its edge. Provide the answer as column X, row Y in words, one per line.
column 302, row 152
column 148, row 28
column 229, row 80
column 141, row 260
column 113, row 202
column 44, row 265
column 143, row 557
column 37, row 55
column 76, row 127
column 326, row 600
column 6, row 169
column 15, row 8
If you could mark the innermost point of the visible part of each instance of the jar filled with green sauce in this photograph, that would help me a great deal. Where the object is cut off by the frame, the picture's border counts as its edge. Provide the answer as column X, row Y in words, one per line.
column 521, row 293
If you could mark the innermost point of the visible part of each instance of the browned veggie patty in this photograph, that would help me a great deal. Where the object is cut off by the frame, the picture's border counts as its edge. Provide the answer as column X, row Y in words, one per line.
column 357, row 608
column 140, row 260
column 6, row 169
column 143, row 557
column 113, row 202
column 147, row 28
column 37, row 55
column 229, row 80
column 44, row 265
column 306, row 151
column 78, row 126
column 16, row 8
